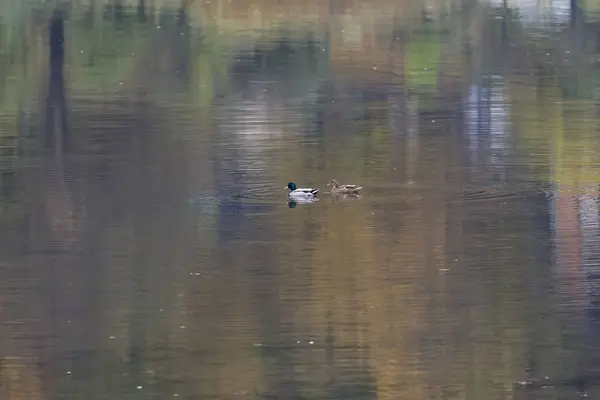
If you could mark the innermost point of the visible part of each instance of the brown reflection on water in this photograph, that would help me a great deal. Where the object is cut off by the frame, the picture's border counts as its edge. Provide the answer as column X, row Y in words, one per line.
column 157, row 257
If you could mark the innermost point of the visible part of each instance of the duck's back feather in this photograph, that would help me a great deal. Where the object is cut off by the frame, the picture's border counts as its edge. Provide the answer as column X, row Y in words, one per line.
column 307, row 190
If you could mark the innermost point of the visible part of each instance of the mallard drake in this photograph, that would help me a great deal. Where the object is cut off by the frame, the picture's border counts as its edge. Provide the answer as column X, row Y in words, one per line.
column 336, row 188
column 300, row 194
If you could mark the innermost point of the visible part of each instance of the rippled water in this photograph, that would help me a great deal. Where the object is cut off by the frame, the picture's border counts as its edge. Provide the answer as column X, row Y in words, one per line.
column 147, row 248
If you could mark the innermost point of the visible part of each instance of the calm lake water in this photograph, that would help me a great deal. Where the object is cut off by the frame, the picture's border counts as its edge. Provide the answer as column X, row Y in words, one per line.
column 148, row 251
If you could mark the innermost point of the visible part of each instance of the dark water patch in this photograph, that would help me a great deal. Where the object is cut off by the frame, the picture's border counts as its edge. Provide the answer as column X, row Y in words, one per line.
column 526, row 189
column 483, row 195
column 579, row 384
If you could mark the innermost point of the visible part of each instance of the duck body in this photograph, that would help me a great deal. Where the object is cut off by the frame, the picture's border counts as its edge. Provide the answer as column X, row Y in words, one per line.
column 351, row 190
column 301, row 194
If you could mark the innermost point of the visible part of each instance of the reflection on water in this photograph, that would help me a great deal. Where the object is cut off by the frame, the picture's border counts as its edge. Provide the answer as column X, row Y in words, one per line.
column 147, row 249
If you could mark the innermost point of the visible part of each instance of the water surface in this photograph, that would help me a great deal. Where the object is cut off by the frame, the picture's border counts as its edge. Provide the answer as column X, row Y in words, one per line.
column 147, row 249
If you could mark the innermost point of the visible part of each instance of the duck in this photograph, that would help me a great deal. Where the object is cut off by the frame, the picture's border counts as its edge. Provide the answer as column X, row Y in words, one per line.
column 300, row 194
column 336, row 188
